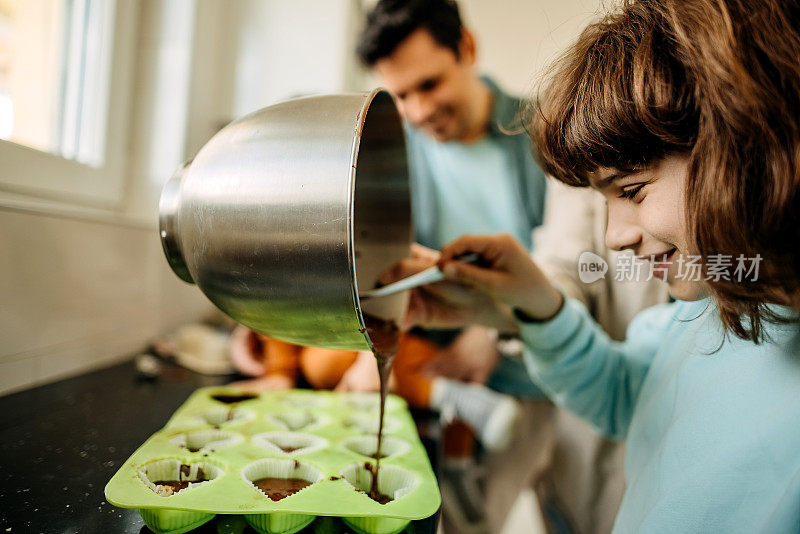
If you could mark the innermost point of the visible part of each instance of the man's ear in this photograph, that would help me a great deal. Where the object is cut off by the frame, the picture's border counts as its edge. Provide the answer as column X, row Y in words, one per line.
column 466, row 47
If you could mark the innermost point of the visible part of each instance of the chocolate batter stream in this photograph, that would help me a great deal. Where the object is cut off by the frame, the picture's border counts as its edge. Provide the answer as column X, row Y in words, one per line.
column 385, row 336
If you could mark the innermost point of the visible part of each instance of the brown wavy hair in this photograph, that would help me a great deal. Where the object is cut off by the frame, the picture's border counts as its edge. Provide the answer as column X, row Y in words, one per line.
column 718, row 80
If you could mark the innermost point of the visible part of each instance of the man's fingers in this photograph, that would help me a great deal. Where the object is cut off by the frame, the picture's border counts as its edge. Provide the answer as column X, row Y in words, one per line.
column 405, row 268
column 417, row 311
column 419, row 251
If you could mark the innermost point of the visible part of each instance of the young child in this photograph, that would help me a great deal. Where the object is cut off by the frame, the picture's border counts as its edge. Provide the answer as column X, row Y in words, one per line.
column 279, row 365
column 684, row 114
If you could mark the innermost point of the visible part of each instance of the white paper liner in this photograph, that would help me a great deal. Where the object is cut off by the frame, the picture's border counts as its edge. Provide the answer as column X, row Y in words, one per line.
column 302, row 443
column 368, row 424
column 222, row 416
column 369, row 402
column 279, row 468
column 279, row 522
column 366, row 445
column 393, row 481
column 305, row 400
column 206, row 440
column 294, row 421
column 170, row 469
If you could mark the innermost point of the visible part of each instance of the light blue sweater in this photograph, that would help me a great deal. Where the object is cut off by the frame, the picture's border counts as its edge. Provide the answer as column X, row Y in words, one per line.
column 713, row 438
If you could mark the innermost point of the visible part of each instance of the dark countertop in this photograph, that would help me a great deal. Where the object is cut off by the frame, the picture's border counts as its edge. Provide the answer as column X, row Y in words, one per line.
column 61, row 443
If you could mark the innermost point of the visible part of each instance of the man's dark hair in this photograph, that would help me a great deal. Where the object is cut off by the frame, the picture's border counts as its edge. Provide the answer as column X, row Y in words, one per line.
column 392, row 21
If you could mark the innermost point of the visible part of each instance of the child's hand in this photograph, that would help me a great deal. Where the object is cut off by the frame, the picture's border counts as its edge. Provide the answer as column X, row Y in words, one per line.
column 509, row 277
column 362, row 376
column 246, row 352
column 470, row 358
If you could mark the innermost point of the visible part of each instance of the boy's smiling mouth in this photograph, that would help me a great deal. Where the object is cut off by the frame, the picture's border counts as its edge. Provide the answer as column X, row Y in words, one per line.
column 661, row 262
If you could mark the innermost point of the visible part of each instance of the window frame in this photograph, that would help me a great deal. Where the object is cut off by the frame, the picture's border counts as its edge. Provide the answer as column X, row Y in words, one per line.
column 43, row 175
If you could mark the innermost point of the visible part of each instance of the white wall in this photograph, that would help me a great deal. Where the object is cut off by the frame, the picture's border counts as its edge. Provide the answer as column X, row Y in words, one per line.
column 78, row 294
column 292, row 48
column 517, row 39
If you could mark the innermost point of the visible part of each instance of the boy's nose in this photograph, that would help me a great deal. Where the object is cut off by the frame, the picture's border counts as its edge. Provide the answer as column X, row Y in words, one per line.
column 622, row 231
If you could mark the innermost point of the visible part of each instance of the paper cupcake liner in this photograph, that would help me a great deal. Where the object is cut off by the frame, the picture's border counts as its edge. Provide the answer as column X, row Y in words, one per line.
column 163, row 521
column 219, row 417
column 370, row 402
column 368, row 424
column 294, row 421
column 393, row 481
column 170, row 469
column 307, row 399
column 277, row 441
column 279, row 522
column 279, row 468
column 366, row 445
column 205, row 440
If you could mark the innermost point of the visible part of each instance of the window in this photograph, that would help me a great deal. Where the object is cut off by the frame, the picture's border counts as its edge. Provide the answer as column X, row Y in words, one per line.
column 62, row 97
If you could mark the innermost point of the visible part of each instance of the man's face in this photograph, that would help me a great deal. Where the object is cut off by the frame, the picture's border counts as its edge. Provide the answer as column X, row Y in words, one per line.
column 430, row 84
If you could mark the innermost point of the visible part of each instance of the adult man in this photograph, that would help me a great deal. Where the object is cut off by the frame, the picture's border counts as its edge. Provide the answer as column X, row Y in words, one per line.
column 468, row 175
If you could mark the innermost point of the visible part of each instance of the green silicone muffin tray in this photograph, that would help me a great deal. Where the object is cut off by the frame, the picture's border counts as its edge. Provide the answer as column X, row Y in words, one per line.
column 320, row 436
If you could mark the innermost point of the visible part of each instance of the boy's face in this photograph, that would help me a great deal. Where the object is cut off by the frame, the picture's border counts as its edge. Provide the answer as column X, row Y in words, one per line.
column 646, row 214
column 430, row 84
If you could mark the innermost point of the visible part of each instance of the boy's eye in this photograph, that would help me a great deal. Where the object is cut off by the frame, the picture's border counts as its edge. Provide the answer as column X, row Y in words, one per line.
column 428, row 85
column 631, row 192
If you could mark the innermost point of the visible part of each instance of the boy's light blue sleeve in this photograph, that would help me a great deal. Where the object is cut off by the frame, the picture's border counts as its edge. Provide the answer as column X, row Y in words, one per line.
column 586, row 372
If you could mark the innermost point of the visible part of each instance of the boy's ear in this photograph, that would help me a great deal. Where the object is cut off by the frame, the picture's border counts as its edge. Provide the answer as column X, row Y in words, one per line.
column 466, row 47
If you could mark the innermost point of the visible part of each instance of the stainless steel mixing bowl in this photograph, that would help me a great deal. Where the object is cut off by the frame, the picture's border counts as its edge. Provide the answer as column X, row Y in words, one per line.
column 286, row 213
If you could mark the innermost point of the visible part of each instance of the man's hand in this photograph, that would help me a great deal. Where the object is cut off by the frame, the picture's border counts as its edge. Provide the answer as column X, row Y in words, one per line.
column 421, row 258
column 452, row 305
column 445, row 304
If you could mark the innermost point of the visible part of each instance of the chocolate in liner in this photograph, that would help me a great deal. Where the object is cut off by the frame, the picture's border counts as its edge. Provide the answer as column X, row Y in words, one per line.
column 280, row 488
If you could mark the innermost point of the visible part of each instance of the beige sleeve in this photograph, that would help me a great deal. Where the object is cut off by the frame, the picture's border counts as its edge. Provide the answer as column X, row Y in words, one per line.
column 569, row 228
